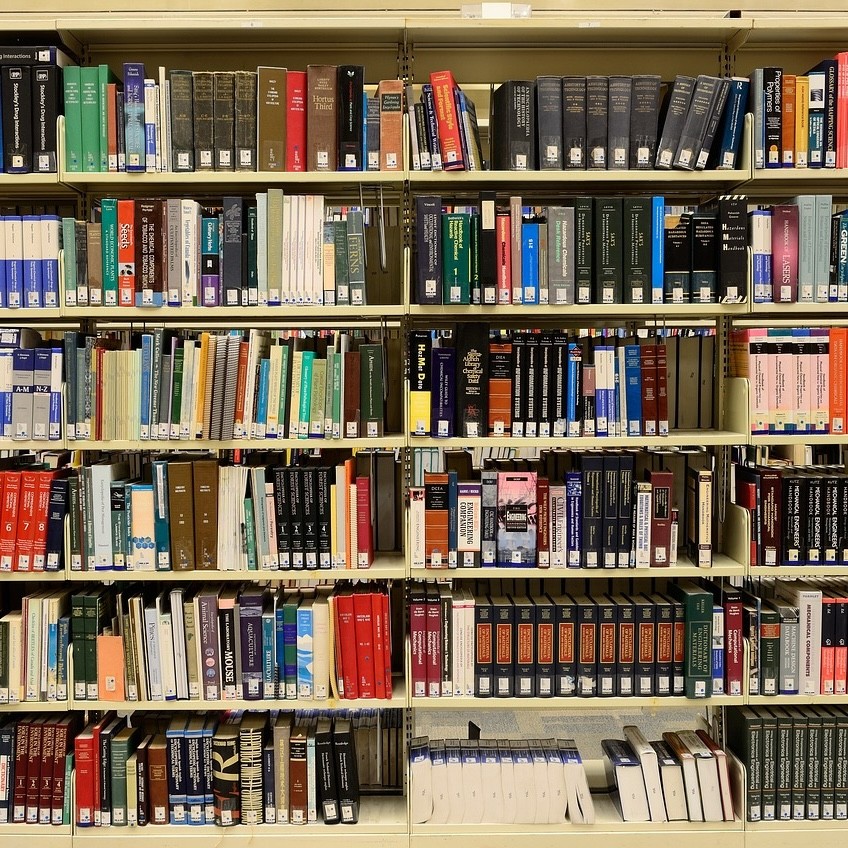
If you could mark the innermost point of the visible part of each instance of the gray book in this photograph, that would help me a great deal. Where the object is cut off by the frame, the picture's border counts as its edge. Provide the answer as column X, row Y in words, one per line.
column 675, row 108
column 561, row 255
column 694, row 127
column 618, row 123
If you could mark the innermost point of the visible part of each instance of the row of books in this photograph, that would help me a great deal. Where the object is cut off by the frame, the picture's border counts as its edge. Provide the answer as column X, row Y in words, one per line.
column 576, row 122
column 795, row 761
column 272, row 119
column 178, row 514
column 798, row 251
column 540, row 384
column 592, row 250
column 29, row 260
column 797, row 377
column 683, row 777
column 218, row 643
column 800, row 119
column 600, row 514
column 270, row 249
column 798, row 513
column 544, row 646
column 250, row 768
column 252, row 385
column 30, row 103
column 474, row 781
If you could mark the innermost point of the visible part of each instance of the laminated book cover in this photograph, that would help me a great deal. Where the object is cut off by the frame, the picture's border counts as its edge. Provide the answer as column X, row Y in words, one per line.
column 517, row 518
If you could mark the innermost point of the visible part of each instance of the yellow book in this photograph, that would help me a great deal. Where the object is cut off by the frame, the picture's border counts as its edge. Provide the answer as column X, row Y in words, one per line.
column 802, row 120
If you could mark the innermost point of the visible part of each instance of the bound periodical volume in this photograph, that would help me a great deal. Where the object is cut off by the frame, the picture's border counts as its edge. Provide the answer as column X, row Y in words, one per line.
column 217, row 643
column 269, row 249
column 271, row 119
column 521, row 645
column 590, row 250
column 29, row 260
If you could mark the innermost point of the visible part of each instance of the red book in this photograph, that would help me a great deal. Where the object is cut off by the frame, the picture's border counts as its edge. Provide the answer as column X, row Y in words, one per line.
column 450, row 139
column 26, row 521
column 418, row 639
column 364, row 528
column 648, row 362
column 45, row 779
column 746, row 497
column 60, row 752
column 842, row 110
column 19, row 796
column 42, row 509
column 662, row 389
column 126, row 252
column 387, row 643
column 33, row 781
column 346, row 641
column 828, row 646
column 434, row 643
column 364, row 631
column 504, row 258
column 379, row 625
column 662, row 491
column 9, row 527
column 296, row 121
column 840, row 654
column 112, row 126
column 543, row 535
column 104, row 721
column 733, row 645
column 87, row 777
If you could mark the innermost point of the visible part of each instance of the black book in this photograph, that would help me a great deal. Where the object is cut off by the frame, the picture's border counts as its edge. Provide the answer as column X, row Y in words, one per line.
column 346, row 771
column 663, row 645
column 624, row 648
column 529, row 378
column 607, row 637
column 488, row 256
column 678, row 257
column 297, row 537
column 732, row 251
column 558, row 405
column 645, row 642
column 545, row 646
column 182, row 120
column 828, row 761
column 428, row 249
column 705, row 251
column 626, row 467
column 512, row 127
column 694, row 127
column 565, row 646
column 224, row 92
column 122, row 139
column 245, row 120
column 609, row 257
column 105, row 777
column 309, row 484
column 618, row 129
column 349, row 119
column 773, row 116
column 323, row 483
column 574, row 122
column 519, row 383
column 672, row 117
column 814, row 514
column 484, row 640
column 47, row 105
column 423, row 137
column 714, row 121
column 583, row 253
column 609, row 537
column 225, row 773
column 281, row 517
column 597, row 117
column 232, row 280
column 472, row 379
column 549, row 120
column 56, row 511
column 16, row 109
column 644, row 117
column 203, row 93
column 592, row 469
column 503, row 623
column 587, row 646
column 325, row 767
column 545, row 381
column 636, row 250
column 524, row 646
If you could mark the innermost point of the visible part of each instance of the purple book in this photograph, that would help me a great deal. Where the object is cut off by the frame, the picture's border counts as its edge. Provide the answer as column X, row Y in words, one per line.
column 784, row 253
column 517, row 519
column 573, row 518
column 443, row 392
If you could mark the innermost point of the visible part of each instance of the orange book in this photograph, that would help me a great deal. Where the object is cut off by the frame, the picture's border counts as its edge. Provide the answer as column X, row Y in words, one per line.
column 787, row 120
column 435, row 520
column 500, row 388
column 350, row 526
column 828, row 646
column 450, row 141
column 126, row 252
column 836, row 356
column 200, row 393
column 241, row 383
column 390, row 98
column 112, row 126
column 110, row 668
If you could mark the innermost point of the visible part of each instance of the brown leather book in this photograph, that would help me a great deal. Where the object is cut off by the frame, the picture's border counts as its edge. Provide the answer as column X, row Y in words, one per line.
column 352, row 383
column 181, row 515
column 205, row 514
column 271, row 131
column 436, row 519
column 390, row 97
column 321, row 108
column 298, row 781
column 157, row 779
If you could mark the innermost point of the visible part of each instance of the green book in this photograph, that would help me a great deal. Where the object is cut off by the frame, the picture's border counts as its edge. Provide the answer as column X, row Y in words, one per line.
column 249, row 535
column 305, row 399
column 371, row 389
column 340, row 259
column 456, row 258
column 319, row 394
column 66, row 801
column 123, row 744
column 252, row 257
column 290, row 649
column 109, row 241
column 69, row 247
column 90, row 118
column 282, row 423
column 698, row 623
column 73, row 119
column 337, row 395
column 177, row 391
column 104, row 77
column 744, row 734
column 328, row 394
column 474, row 258
column 92, row 606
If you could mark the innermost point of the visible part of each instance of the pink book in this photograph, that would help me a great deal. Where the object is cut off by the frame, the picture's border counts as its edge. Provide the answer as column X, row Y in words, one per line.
column 784, row 253
column 803, row 361
column 418, row 639
column 842, row 110
column 504, row 261
column 820, row 385
column 758, row 378
column 781, row 347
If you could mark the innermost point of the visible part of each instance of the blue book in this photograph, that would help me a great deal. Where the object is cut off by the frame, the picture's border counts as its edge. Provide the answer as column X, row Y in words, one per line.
column 63, row 638
column 269, row 670
column 604, row 386
column 262, row 398
column 633, row 388
column 574, row 390
column 52, row 653
column 657, row 248
column 50, row 230
column 250, row 628
column 3, row 296
column 134, row 135
column 614, row 424
column 146, row 383
column 443, row 394
column 55, row 415
column 269, row 796
column 195, row 785
column 32, row 253
column 718, row 653
column 755, row 97
column 815, row 123
column 732, row 124
column 573, row 518
column 304, row 650
column 760, row 241
column 6, row 359
column 530, row 262
column 161, row 522
column 14, row 262
column 209, row 727
column 279, row 650
column 41, row 377
column 453, row 529
column 175, row 741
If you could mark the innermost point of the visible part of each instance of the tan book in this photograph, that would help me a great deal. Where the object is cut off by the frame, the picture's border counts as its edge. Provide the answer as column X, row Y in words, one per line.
column 321, row 109
column 181, row 515
column 390, row 97
column 271, row 116
column 206, row 514
column 94, row 252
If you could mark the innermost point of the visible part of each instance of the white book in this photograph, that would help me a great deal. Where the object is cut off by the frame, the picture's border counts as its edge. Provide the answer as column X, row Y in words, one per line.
column 271, row 523
column 154, row 663
column 671, row 775
column 508, row 790
column 164, row 134
column 472, row 783
column 32, row 622
column 320, row 648
column 189, row 383
column 439, row 771
column 149, row 121
column 31, row 245
column 275, row 372
column 308, row 236
column 557, row 790
column 707, row 775
column 421, row 781
column 180, row 648
column 102, row 476
column 14, row 259
column 468, row 662
column 312, row 794
column 650, row 771
column 525, row 784
column 50, row 238
column 490, row 771
column 581, row 809
column 353, row 510
column 808, row 602
column 690, row 775
column 12, row 695
column 622, row 764
column 723, row 774
column 188, row 248
column 299, row 247
column 317, row 230
column 457, row 652
column 260, row 518
column 417, row 517
column 453, row 778
column 166, row 650
column 287, row 281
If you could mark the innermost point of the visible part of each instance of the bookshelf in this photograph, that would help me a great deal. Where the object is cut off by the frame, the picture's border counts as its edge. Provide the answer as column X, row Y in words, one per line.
column 411, row 45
